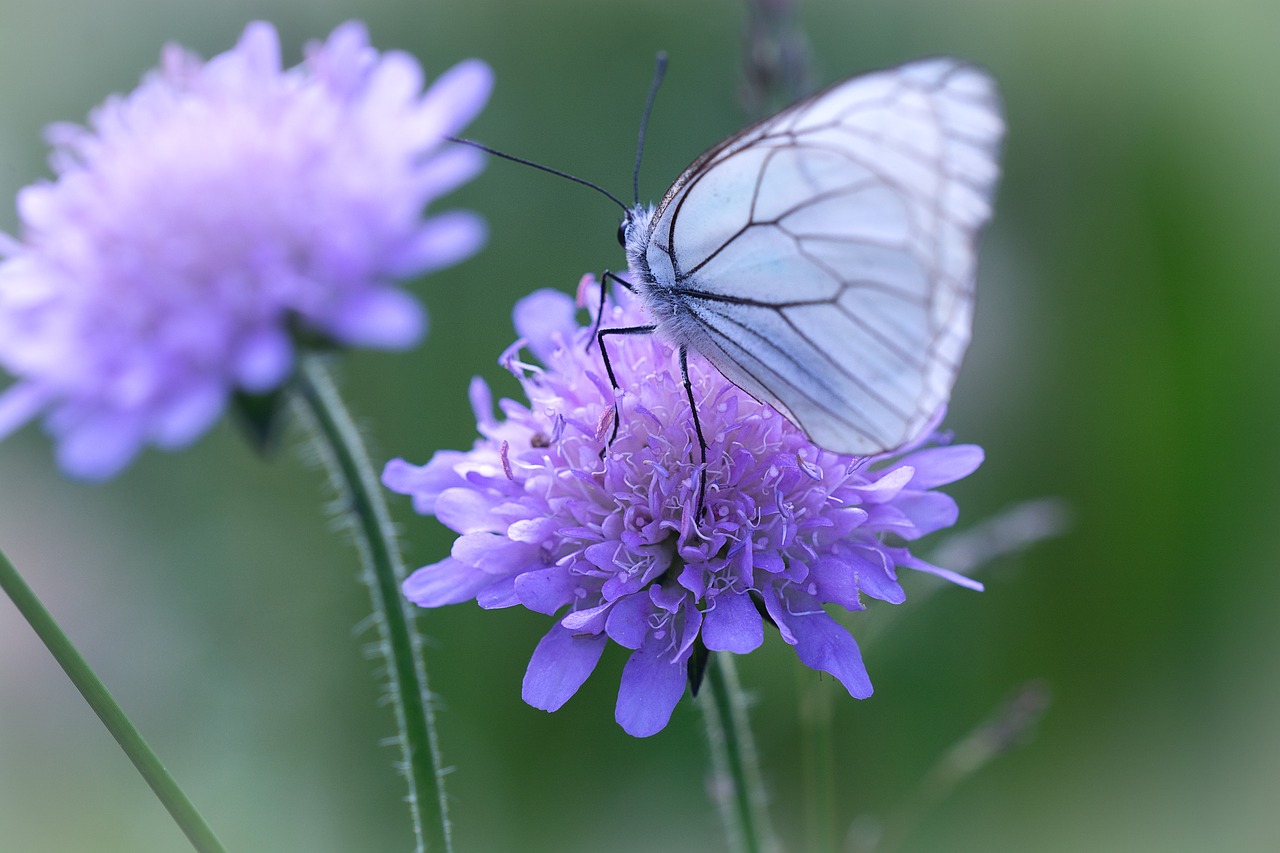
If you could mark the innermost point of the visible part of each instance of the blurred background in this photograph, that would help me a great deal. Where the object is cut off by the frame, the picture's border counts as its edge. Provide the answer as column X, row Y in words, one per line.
column 1123, row 360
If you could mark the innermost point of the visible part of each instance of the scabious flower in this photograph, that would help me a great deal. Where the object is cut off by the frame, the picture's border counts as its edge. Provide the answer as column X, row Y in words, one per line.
column 604, row 537
column 199, row 221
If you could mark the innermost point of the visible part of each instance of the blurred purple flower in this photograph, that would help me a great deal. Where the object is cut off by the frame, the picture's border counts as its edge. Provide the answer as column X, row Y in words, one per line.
column 547, row 523
column 200, row 218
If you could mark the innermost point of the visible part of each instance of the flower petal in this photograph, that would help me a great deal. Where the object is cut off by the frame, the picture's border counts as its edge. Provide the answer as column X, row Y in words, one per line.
column 264, row 360
column 938, row 466
column 457, row 95
column 100, row 448
column 652, row 685
column 426, row 482
column 927, row 511
column 875, row 575
column 445, row 582
column 560, row 664
column 823, row 644
column 544, row 318
column 628, row 623
column 733, row 625
column 389, row 319
column 494, row 554
column 183, row 420
column 835, row 580
column 465, row 511
column 18, row 404
column 442, row 242
column 913, row 562
column 546, row 590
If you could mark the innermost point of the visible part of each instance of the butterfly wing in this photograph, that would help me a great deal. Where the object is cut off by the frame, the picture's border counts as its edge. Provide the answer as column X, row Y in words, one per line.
column 823, row 259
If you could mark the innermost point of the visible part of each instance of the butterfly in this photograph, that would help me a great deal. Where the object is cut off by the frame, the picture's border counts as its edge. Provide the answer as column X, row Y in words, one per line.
column 823, row 259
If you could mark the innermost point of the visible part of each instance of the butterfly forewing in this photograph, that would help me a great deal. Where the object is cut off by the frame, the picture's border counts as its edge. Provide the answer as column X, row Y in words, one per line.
column 823, row 259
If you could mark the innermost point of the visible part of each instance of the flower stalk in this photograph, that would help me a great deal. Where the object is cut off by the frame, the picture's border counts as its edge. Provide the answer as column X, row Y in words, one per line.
column 108, row 710
column 738, row 785
column 364, row 513
column 817, row 761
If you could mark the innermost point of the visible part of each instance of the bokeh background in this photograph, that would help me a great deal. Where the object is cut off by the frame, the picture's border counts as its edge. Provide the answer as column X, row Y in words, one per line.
column 1123, row 361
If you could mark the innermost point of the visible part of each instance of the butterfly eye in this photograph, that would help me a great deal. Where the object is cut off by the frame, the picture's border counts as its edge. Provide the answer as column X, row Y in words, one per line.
column 622, row 233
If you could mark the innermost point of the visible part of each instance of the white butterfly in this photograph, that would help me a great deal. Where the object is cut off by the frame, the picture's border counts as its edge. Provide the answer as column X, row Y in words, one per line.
column 823, row 259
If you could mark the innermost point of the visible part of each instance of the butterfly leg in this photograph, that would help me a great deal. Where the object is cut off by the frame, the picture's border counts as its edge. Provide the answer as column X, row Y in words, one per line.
column 608, row 367
column 697, row 426
column 605, row 278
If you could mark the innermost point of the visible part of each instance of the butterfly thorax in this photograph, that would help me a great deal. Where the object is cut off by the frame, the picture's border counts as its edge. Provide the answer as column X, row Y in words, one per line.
column 635, row 240
column 654, row 292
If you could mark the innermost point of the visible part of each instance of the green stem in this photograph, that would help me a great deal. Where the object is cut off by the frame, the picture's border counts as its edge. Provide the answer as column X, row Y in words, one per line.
column 817, row 758
column 738, row 786
column 360, row 496
column 104, row 705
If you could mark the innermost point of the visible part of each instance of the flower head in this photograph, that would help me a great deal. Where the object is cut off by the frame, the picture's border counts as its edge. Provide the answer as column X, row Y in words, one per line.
column 199, row 219
column 605, row 538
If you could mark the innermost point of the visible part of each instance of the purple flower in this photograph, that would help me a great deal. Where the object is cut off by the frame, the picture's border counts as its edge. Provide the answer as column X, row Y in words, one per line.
column 610, row 545
column 198, row 220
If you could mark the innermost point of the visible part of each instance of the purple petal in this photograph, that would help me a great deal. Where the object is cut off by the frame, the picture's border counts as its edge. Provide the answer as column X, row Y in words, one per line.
column 535, row 531
column 392, row 83
column 424, row 483
column 391, row 319
column 546, row 590
column 20, row 403
column 495, row 554
column 777, row 610
column 938, row 466
column 928, row 511
column 589, row 620
column 457, row 96
column 875, row 575
column 628, row 623
column 260, row 45
column 913, row 562
column 481, row 401
column 499, row 594
column 448, row 170
column 187, row 418
column 545, row 318
column 691, row 628
column 264, row 360
column 652, row 685
column 768, row 561
column 836, row 580
column 560, row 664
column 442, row 241
column 99, row 449
column 733, row 624
column 465, row 511
column 445, row 582
column 823, row 644
column 887, row 487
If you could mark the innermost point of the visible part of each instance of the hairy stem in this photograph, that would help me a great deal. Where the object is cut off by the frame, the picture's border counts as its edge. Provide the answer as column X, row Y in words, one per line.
column 364, row 511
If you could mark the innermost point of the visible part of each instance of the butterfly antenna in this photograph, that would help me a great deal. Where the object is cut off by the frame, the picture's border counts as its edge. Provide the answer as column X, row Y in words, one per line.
column 660, row 69
column 496, row 153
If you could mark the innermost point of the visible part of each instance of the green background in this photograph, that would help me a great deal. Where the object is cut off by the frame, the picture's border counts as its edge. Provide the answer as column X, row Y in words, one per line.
column 1123, row 360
